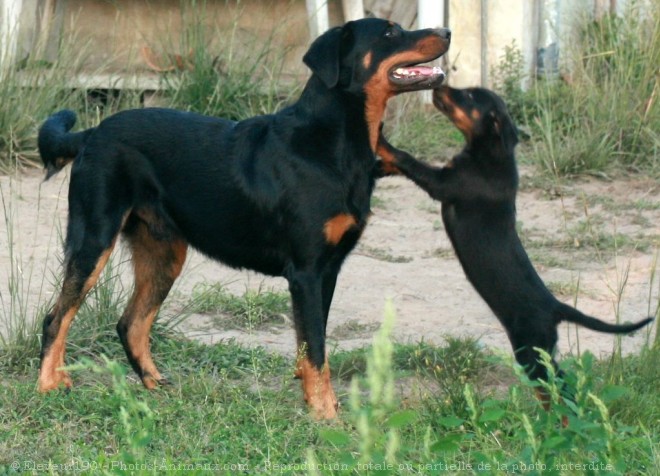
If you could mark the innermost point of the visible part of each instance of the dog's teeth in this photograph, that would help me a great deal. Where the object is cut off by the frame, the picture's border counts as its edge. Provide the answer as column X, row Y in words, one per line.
column 438, row 70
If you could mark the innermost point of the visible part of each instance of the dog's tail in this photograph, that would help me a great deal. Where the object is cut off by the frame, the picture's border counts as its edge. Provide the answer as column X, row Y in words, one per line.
column 58, row 146
column 570, row 314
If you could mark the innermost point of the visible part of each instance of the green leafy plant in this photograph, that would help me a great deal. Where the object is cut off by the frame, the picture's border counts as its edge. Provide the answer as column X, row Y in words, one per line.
column 138, row 422
column 604, row 114
column 509, row 79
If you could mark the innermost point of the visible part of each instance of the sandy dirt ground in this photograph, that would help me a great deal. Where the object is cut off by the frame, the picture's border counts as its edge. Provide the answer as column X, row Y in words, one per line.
column 404, row 256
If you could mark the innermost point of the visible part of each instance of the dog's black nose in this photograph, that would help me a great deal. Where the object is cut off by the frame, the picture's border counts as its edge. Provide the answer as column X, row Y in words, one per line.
column 445, row 33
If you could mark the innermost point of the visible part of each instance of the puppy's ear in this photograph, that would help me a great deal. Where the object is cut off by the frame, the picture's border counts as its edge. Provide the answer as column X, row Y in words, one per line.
column 495, row 121
column 324, row 56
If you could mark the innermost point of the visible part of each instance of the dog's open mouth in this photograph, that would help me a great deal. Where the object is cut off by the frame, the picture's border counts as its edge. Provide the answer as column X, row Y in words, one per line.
column 418, row 75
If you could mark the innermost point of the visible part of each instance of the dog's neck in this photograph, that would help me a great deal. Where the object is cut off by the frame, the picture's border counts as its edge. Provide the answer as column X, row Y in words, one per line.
column 495, row 151
column 335, row 107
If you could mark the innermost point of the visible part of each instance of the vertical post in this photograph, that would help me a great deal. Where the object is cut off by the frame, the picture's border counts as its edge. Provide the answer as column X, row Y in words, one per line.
column 484, row 43
column 317, row 17
column 430, row 14
column 353, row 9
column 10, row 11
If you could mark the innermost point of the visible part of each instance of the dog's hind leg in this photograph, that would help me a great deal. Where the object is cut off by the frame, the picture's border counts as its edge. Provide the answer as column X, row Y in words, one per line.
column 84, row 263
column 530, row 359
column 157, row 263
column 308, row 307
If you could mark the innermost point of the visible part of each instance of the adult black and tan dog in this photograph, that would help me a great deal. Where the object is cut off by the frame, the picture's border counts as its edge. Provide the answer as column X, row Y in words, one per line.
column 285, row 194
column 478, row 189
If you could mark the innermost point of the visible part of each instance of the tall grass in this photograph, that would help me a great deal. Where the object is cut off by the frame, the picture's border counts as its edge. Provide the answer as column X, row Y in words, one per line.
column 231, row 75
column 18, row 332
column 603, row 114
column 29, row 91
column 489, row 433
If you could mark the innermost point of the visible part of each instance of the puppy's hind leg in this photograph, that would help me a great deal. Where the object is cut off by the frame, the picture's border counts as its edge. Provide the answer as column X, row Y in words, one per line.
column 157, row 263
column 531, row 360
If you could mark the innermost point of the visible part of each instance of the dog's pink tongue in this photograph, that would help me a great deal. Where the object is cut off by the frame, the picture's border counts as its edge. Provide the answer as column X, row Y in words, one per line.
column 413, row 71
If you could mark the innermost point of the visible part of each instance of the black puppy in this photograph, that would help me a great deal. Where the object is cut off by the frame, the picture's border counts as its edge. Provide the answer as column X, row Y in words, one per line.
column 285, row 194
column 477, row 189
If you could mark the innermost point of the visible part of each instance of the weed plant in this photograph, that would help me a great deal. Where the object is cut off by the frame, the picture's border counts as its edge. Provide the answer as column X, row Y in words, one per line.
column 19, row 331
column 486, row 433
column 225, row 408
column 29, row 92
column 603, row 114
column 232, row 79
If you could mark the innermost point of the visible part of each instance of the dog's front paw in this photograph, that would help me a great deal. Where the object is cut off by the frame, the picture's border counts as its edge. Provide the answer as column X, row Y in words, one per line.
column 385, row 169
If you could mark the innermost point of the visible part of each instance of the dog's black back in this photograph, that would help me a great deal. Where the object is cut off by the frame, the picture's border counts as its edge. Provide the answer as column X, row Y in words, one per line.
column 478, row 192
column 286, row 194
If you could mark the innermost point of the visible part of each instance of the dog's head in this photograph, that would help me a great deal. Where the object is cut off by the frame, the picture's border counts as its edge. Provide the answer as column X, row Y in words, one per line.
column 378, row 53
column 375, row 59
column 479, row 114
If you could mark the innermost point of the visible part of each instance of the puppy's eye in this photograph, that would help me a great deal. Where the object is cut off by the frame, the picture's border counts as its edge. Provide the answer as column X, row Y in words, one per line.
column 392, row 32
column 470, row 97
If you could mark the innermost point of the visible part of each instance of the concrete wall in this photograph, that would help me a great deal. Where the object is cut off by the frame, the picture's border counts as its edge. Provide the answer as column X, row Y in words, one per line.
column 113, row 33
column 481, row 30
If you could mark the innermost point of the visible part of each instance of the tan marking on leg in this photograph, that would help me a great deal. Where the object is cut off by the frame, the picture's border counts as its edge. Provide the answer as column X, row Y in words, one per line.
column 546, row 401
column 544, row 398
column 335, row 228
column 94, row 277
column 301, row 352
column 388, row 158
column 318, row 391
column 138, row 338
column 156, row 265
column 50, row 377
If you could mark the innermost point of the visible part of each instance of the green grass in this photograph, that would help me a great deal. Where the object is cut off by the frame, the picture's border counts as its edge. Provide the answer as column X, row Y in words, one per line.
column 414, row 408
column 234, row 79
column 604, row 120
column 421, row 130
column 230, row 406
column 602, row 116
column 254, row 309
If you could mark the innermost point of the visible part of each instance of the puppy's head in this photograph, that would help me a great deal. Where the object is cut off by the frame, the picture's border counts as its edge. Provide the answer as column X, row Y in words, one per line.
column 479, row 114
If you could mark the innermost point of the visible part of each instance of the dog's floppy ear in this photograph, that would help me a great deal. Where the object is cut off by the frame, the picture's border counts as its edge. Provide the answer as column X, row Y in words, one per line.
column 497, row 127
column 323, row 56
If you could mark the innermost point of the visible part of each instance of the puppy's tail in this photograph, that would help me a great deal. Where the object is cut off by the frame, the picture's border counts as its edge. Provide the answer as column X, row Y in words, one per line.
column 570, row 314
column 58, row 146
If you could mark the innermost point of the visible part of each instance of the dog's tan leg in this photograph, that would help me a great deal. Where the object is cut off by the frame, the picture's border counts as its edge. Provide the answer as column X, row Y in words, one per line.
column 57, row 323
column 546, row 401
column 317, row 389
column 157, row 264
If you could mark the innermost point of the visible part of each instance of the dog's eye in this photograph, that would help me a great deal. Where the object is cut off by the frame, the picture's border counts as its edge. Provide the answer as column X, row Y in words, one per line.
column 392, row 32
